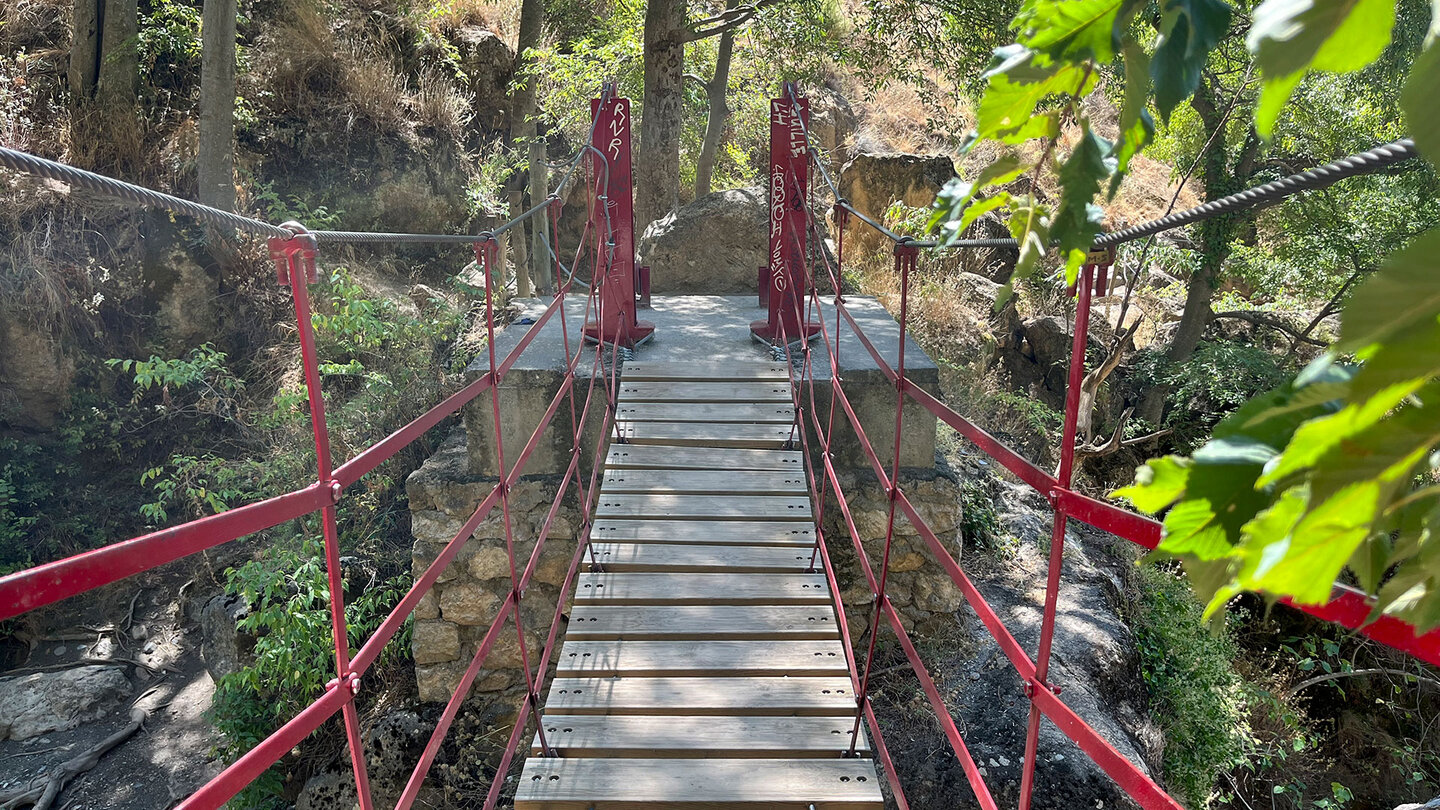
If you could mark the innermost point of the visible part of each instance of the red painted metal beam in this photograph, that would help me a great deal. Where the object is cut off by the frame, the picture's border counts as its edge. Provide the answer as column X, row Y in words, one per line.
column 45, row 584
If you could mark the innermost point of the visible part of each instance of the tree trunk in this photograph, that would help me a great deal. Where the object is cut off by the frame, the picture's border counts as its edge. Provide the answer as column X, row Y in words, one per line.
column 715, row 120
column 118, row 73
column 85, row 22
column 532, row 17
column 519, row 254
column 1215, row 236
column 657, row 160
column 216, row 156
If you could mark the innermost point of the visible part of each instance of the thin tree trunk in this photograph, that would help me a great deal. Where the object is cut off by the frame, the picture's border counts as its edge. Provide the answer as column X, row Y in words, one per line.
column 715, row 120
column 85, row 20
column 216, row 156
column 532, row 16
column 1215, row 236
column 657, row 160
column 119, row 69
column 520, row 255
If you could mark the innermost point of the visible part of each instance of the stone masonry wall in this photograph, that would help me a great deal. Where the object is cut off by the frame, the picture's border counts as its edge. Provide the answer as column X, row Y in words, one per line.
column 918, row 587
column 452, row 619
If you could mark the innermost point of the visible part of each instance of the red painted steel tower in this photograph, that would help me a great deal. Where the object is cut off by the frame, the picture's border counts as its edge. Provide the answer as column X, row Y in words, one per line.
column 784, row 282
column 613, row 218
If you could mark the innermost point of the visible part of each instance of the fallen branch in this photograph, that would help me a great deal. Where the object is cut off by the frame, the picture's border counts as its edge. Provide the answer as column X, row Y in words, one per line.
column 1354, row 672
column 43, row 795
column 1115, row 443
column 93, row 662
column 1260, row 319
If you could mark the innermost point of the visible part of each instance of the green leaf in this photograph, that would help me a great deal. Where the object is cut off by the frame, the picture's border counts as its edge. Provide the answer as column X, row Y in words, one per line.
column 1413, row 354
column 1305, row 563
column 1075, row 29
column 1220, row 497
column 1159, row 482
column 1403, row 293
column 1274, row 92
column 1077, row 220
column 1417, row 99
column 1291, row 37
column 1030, row 226
column 1020, row 81
column 1316, row 437
column 1190, row 29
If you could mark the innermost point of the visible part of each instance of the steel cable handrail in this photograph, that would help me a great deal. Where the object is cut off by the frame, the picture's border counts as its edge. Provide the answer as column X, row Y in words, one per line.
column 1323, row 176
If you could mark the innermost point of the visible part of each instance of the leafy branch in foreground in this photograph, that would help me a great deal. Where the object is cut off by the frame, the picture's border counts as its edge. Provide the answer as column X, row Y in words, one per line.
column 1335, row 471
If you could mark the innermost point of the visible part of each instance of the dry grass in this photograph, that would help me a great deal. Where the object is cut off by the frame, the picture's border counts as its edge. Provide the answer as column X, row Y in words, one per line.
column 373, row 89
column 446, row 17
column 439, row 104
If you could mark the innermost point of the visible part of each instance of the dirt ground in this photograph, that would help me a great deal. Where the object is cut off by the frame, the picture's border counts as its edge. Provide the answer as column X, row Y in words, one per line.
column 146, row 625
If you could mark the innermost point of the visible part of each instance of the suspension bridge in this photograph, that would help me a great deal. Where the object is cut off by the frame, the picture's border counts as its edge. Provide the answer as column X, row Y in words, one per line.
column 706, row 659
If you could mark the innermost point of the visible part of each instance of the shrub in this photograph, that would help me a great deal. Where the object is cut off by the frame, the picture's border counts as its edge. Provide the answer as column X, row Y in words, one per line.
column 1196, row 696
column 294, row 656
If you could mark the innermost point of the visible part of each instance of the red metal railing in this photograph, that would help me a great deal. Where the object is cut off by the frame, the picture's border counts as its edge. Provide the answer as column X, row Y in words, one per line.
column 294, row 253
column 294, row 256
column 1347, row 607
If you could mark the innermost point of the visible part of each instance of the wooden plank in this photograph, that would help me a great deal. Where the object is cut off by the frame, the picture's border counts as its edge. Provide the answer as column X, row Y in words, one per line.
column 731, row 737
column 702, row 507
column 632, row 456
column 742, row 412
column 705, row 482
column 701, row 658
column 703, row 696
column 705, row 532
column 704, row 434
column 647, row 557
column 702, row 589
column 589, row 783
column 701, row 622
column 671, row 391
column 704, row 371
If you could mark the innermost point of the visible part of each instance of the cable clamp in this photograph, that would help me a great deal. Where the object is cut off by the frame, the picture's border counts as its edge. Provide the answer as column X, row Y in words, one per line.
column 294, row 254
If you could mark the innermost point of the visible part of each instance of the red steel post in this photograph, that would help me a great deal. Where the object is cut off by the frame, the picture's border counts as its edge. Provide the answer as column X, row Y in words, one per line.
column 789, row 177
column 1084, row 286
column 614, row 223
column 295, row 264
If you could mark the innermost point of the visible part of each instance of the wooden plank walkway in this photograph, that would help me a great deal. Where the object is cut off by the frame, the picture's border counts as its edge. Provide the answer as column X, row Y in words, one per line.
column 702, row 665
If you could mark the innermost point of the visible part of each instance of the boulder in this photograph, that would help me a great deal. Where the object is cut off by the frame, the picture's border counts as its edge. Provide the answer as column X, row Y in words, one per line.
column 35, row 376
column 31, row 705
column 1037, row 356
column 713, row 246
column 488, row 64
column 224, row 646
column 874, row 182
column 832, row 122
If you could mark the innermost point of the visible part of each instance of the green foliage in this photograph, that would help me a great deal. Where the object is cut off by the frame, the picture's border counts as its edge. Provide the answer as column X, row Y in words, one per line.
column 30, row 495
column 1219, row 378
column 1334, row 471
column 1197, row 698
column 279, row 208
column 169, row 46
column 188, row 487
column 979, row 522
column 294, row 656
column 1330, row 472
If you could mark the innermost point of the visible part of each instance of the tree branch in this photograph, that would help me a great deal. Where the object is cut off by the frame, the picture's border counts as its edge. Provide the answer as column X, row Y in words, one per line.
column 727, row 20
column 1259, row 319
column 1355, row 672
